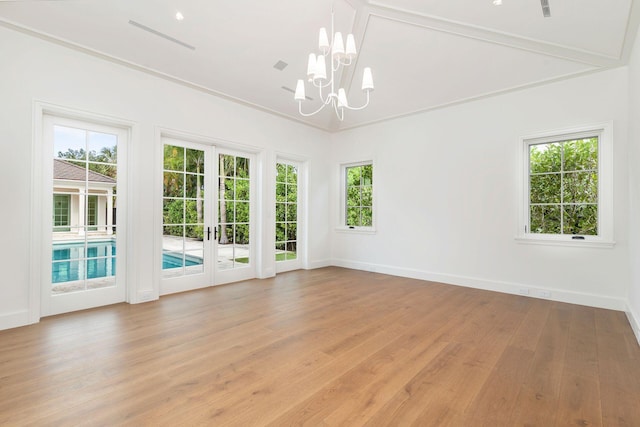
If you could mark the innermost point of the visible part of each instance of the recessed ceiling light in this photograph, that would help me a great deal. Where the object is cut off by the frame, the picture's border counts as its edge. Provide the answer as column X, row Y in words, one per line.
column 497, row 2
column 179, row 16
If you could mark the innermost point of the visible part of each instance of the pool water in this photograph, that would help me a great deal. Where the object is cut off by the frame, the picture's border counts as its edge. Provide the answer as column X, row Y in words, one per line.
column 72, row 261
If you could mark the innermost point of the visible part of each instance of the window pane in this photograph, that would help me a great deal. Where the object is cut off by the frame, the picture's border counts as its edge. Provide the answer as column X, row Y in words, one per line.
column 242, row 234
column 353, row 196
column 367, row 196
column 581, row 219
column 281, row 192
column 545, row 157
column 242, row 212
column 194, row 184
column 545, row 188
column 242, row 189
column 367, row 175
column 353, row 216
column 580, row 187
column 173, row 158
column 292, row 193
column 242, row 167
column 281, row 172
column 173, row 184
column 281, row 232
column 69, row 143
column 227, row 165
column 280, row 212
column 195, row 161
column 292, row 212
column 545, row 219
column 102, row 147
column 292, row 174
column 292, row 231
column 227, row 188
column 366, row 217
column 581, row 154
column 353, row 176
column 173, row 211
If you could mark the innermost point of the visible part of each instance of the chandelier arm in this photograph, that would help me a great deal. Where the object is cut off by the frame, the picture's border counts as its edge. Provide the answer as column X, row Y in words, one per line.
column 321, row 85
column 324, row 101
column 310, row 114
column 361, row 107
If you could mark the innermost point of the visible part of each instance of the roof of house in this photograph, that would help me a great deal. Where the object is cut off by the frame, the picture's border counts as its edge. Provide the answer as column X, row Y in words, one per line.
column 62, row 169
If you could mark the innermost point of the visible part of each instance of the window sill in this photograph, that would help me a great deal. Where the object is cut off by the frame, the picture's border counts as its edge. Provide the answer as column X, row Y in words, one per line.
column 552, row 241
column 356, row 230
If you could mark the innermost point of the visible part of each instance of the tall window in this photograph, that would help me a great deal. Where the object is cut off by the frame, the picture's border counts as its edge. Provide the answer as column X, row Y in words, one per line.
column 568, row 186
column 234, row 212
column 358, row 195
column 286, row 212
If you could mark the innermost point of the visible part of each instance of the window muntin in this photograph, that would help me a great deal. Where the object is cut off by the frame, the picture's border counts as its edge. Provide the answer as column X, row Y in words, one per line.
column 358, row 203
column 563, row 187
column 286, row 212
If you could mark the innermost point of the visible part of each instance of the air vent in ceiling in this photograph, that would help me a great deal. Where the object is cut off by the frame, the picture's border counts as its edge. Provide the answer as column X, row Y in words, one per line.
column 280, row 65
column 159, row 34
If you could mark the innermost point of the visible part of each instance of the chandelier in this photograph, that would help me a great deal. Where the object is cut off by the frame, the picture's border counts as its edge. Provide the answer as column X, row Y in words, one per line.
column 337, row 55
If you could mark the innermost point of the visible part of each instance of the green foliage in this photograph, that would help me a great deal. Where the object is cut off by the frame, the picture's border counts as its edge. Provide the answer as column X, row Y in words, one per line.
column 359, row 196
column 286, row 211
column 563, row 187
column 183, row 183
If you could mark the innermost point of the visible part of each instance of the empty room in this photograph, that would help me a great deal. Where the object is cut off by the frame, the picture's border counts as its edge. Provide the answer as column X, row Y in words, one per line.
column 321, row 212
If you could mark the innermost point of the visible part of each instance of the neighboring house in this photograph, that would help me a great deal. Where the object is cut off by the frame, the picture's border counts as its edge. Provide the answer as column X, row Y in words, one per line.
column 75, row 214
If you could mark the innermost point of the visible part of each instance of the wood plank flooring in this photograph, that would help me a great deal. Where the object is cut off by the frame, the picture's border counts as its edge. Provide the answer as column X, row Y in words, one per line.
column 331, row 347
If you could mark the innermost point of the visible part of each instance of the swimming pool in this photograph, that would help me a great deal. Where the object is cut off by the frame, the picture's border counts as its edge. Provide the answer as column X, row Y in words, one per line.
column 72, row 261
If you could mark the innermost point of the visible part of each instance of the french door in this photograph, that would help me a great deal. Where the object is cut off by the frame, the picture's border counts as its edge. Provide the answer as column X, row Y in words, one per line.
column 84, row 204
column 287, row 239
column 206, row 216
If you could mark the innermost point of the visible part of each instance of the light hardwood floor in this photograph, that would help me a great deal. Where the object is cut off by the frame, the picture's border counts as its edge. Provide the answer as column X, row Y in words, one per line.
column 325, row 347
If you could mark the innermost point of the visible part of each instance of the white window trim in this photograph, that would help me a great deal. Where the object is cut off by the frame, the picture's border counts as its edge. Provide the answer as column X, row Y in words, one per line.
column 604, row 239
column 342, row 227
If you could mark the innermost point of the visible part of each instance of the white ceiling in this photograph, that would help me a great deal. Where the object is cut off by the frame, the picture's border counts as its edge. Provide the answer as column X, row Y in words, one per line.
column 424, row 53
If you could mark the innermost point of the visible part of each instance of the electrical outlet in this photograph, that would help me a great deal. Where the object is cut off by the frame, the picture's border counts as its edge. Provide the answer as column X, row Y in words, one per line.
column 544, row 294
column 523, row 291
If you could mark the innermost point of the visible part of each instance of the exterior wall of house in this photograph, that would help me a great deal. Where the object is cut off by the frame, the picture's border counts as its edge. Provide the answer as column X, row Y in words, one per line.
column 447, row 194
column 41, row 71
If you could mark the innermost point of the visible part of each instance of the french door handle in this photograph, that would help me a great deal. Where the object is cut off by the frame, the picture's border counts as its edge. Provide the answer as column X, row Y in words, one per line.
column 208, row 233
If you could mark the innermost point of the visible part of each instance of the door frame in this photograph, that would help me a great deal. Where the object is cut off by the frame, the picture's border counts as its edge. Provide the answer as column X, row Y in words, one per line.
column 219, row 146
column 41, row 176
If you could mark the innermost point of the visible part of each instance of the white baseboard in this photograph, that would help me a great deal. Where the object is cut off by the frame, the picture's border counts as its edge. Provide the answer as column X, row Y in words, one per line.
column 15, row 319
column 634, row 321
column 560, row 295
column 312, row 265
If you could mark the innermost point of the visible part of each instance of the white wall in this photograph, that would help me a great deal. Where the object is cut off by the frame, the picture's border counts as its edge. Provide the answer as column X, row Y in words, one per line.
column 32, row 70
column 447, row 194
column 634, row 184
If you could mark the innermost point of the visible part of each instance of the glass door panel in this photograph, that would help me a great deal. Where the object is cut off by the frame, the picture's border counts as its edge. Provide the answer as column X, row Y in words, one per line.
column 234, row 207
column 183, row 217
column 84, row 190
column 287, row 209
